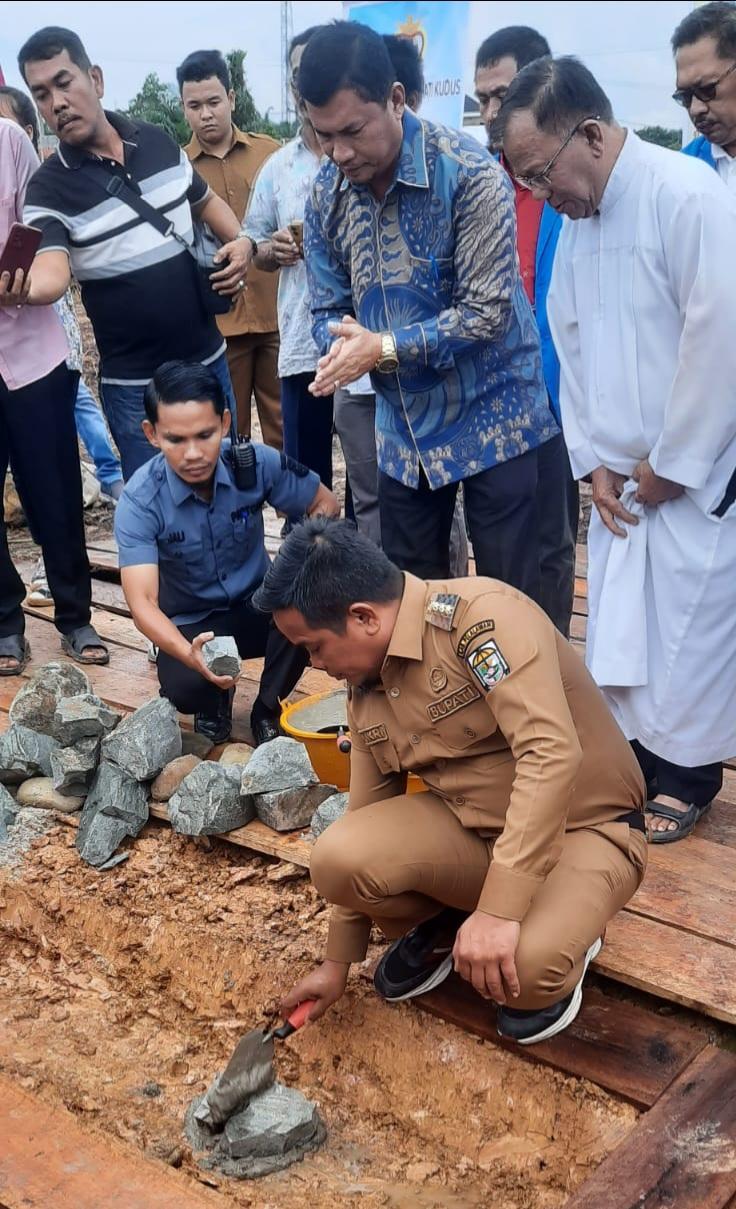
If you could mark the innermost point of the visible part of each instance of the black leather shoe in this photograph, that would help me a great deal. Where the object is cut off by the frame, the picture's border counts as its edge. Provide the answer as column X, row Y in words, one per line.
column 217, row 727
column 264, row 730
column 529, row 1027
column 421, row 960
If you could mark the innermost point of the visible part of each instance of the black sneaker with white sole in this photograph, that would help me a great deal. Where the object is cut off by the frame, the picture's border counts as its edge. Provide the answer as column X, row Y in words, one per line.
column 421, row 960
column 529, row 1027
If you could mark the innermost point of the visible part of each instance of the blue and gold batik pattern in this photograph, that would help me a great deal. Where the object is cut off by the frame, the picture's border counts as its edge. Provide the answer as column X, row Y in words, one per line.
column 435, row 263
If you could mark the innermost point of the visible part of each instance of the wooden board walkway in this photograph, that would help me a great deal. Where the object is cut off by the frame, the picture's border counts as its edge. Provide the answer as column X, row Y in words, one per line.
column 677, row 937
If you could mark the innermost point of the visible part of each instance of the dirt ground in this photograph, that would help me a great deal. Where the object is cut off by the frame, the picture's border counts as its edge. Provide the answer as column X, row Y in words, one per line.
column 122, row 993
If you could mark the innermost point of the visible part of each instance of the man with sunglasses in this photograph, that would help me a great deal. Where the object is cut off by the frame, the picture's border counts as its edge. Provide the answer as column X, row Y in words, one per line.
column 643, row 312
column 704, row 45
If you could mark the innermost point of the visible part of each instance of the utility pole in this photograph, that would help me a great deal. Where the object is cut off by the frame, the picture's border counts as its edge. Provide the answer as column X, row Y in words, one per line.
column 287, row 32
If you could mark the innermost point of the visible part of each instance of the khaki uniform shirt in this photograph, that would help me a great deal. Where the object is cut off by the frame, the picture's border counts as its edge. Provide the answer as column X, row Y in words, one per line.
column 482, row 697
column 232, row 178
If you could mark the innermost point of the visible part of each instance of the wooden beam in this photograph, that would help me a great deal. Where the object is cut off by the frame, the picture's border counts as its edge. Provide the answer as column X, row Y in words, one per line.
column 48, row 1161
column 682, row 1153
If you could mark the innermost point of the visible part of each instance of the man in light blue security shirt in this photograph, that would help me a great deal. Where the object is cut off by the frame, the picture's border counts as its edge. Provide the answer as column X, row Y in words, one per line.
column 705, row 55
column 189, row 529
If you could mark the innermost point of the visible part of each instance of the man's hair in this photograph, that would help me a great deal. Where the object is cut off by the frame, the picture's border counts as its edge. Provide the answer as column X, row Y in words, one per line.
column 715, row 20
column 50, row 41
column 345, row 55
column 407, row 63
column 23, row 108
column 518, row 42
column 558, row 92
column 182, row 382
column 300, row 39
column 202, row 65
column 323, row 568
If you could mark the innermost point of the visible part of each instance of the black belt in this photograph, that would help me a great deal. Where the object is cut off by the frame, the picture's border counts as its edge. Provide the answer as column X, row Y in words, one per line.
column 635, row 819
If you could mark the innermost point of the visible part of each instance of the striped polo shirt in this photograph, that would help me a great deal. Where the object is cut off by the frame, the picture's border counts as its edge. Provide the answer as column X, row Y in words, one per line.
column 139, row 288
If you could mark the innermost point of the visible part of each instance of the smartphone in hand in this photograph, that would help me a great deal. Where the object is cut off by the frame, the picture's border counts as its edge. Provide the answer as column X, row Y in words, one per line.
column 19, row 251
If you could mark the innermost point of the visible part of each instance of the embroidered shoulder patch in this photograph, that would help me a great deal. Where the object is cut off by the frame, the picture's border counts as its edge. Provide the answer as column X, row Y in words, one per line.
column 488, row 664
column 374, row 734
column 480, row 627
column 441, row 609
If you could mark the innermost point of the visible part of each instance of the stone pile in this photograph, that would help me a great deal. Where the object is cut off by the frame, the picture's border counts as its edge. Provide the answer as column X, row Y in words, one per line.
column 284, row 786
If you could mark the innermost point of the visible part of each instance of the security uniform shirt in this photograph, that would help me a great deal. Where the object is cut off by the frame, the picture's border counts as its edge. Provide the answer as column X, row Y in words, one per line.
column 482, row 697
column 210, row 553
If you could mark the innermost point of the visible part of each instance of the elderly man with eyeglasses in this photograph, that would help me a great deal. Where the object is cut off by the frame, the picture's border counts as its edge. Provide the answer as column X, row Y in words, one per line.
column 643, row 313
column 705, row 54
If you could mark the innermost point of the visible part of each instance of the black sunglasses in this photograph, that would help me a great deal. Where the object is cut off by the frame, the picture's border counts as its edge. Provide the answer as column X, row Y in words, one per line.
column 703, row 92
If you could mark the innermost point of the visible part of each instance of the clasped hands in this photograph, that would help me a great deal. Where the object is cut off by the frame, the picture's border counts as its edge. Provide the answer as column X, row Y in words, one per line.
column 608, row 488
column 354, row 353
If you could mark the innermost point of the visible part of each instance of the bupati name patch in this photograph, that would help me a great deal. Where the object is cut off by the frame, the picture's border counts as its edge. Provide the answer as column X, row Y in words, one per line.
column 480, row 627
column 374, row 734
column 452, row 702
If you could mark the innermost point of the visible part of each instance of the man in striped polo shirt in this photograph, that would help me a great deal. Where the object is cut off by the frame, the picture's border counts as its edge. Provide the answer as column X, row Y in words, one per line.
column 139, row 286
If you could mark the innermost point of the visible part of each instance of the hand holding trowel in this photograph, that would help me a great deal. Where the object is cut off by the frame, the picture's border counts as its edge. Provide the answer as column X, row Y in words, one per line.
column 249, row 1070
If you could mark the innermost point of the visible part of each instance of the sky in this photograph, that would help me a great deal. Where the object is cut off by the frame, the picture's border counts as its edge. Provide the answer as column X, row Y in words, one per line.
column 624, row 42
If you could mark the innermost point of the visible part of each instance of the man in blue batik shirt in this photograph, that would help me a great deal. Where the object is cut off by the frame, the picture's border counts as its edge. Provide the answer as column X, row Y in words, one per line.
column 413, row 276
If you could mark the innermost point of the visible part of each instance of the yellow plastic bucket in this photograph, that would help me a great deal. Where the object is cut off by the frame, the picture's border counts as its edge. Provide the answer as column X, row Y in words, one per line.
column 299, row 720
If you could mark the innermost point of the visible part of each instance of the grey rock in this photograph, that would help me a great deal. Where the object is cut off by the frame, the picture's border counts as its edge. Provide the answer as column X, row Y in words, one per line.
column 24, row 753
column 72, row 768
column 276, row 1128
column 194, row 744
column 39, row 793
column 8, row 809
column 82, row 717
column 145, row 741
column 329, row 812
column 289, row 809
column 222, row 656
column 29, row 825
column 281, row 764
column 208, row 801
column 34, row 705
column 116, row 806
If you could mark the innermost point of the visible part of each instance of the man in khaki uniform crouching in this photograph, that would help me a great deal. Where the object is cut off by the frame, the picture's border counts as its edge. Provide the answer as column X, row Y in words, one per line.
column 530, row 834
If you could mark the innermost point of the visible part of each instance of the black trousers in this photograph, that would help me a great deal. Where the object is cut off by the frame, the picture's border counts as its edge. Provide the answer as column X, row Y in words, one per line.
column 39, row 437
column 501, row 510
column 699, row 785
column 307, row 425
column 256, row 636
column 558, row 506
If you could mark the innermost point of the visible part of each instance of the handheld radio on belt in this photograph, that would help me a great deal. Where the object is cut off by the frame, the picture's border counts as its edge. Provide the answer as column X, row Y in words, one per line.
column 244, row 462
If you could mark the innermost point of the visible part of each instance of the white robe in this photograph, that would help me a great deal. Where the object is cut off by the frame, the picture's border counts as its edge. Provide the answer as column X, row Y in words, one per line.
column 642, row 309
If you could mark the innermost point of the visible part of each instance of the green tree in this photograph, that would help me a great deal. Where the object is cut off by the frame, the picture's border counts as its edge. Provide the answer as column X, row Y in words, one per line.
column 663, row 136
column 245, row 114
column 159, row 104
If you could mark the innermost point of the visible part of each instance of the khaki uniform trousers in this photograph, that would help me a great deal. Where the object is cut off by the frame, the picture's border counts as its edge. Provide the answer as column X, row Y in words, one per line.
column 252, row 359
column 400, row 860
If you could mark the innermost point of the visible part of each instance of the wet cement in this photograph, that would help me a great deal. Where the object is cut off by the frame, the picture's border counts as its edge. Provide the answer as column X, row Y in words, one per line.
column 322, row 717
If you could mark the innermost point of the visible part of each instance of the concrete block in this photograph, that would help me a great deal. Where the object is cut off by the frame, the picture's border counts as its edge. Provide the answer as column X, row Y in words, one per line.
column 281, row 764
column 209, row 802
column 290, row 809
column 145, row 741
column 222, row 656
column 116, row 806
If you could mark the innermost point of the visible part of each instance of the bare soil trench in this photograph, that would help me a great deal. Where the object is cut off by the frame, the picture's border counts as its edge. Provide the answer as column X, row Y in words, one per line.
column 122, row 993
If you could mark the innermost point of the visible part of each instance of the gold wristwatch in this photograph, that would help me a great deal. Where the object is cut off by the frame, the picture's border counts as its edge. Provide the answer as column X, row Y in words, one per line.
column 388, row 362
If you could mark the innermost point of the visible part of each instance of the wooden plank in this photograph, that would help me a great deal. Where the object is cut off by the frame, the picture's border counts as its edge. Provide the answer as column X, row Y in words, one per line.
column 719, row 824
column 287, row 845
column 629, row 1050
column 690, row 885
column 682, row 1153
column 48, row 1160
column 660, row 959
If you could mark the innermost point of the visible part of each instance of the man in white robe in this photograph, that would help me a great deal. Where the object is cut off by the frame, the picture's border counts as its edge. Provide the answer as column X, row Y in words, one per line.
column 643, row 314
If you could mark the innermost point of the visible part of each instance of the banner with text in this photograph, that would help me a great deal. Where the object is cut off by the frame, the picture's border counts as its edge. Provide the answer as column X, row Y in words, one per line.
column 439, row 32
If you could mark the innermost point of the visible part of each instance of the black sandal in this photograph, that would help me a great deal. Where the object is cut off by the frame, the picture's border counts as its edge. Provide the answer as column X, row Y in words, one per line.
column 686, row 820
column 74, row 643
column 15, row 646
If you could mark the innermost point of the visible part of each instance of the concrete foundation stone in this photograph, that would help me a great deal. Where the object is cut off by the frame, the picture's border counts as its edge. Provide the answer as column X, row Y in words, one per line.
column 281, row 764
column 145, row 741
column 116, row 806
column 209, row 802
column 34, row 705
column 289, row 809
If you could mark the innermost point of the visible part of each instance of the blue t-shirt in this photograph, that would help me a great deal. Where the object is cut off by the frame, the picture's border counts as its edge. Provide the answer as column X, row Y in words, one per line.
column 210, row 553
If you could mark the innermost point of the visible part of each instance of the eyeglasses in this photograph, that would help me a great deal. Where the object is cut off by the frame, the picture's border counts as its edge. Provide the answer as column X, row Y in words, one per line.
column 540, row 180
column 704, row 92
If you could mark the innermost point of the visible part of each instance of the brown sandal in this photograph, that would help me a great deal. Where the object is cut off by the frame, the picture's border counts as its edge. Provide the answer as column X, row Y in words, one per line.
column 74, row 644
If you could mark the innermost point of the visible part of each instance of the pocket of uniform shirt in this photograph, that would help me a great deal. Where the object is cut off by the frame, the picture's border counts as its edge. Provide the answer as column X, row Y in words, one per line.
column 386, row 756
column 466, row 727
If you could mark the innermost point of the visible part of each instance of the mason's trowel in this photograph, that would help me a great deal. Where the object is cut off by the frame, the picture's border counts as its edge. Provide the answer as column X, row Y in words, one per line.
column 249, row 1070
